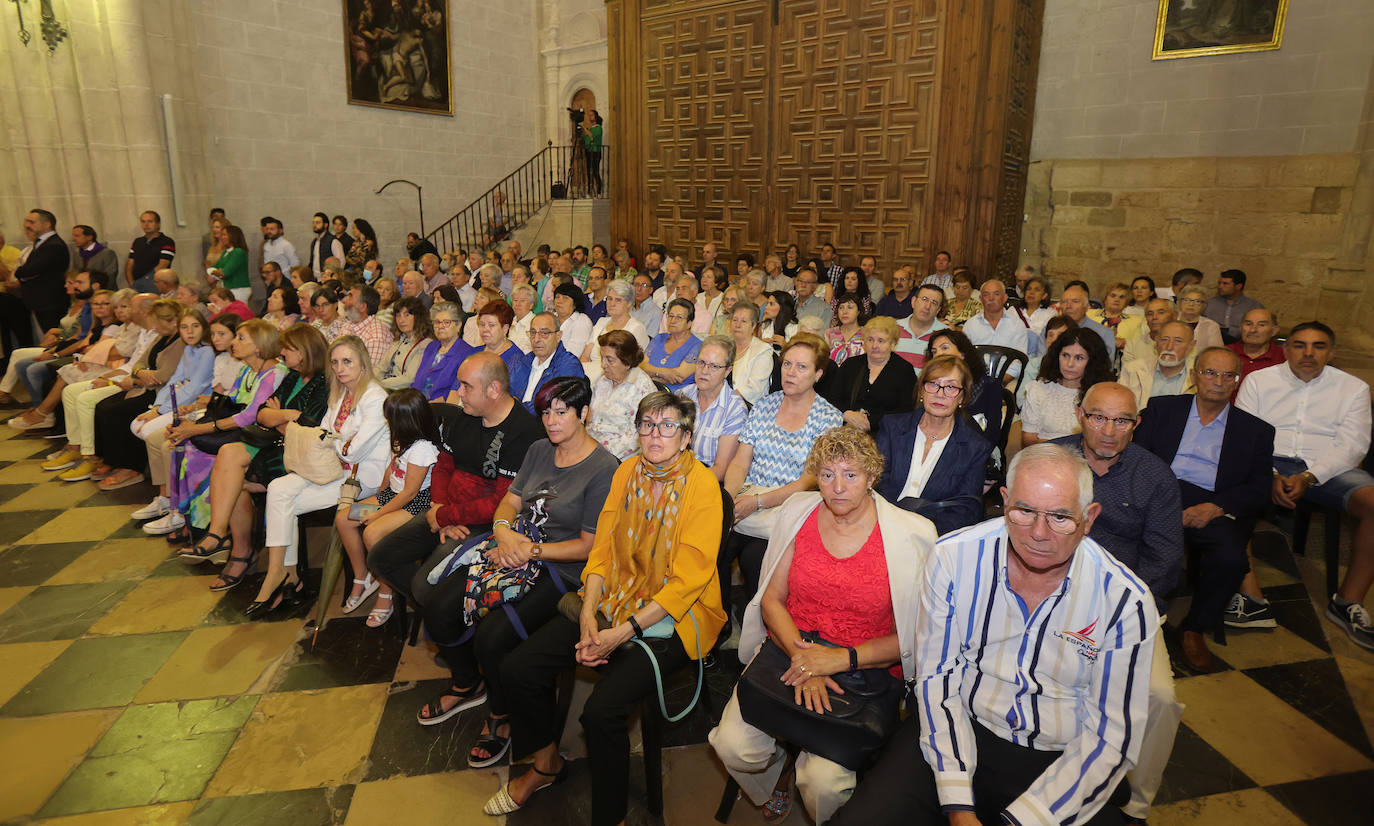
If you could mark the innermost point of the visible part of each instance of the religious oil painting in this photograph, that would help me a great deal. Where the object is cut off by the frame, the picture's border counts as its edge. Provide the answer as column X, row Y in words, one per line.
column 397, row 54
column 1192, row 28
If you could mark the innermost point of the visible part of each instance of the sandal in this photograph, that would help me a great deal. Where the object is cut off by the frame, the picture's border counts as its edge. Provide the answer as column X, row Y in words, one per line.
column 224, row 581
column 380, row 615
column 370, row 587
column 502, row 803
column 180, row 536
column 779, row 806
column 433, row 713
column 492, row 743
column 218, row 554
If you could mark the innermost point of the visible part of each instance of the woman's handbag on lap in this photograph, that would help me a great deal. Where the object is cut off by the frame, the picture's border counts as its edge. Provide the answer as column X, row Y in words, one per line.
column 309, row 453
column 851, row 734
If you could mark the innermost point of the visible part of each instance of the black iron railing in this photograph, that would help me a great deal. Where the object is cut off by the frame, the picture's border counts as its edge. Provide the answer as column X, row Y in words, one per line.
column 555, row 172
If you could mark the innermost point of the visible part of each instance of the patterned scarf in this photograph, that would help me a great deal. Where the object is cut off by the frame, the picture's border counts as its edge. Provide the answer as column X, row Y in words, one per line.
column 643, row 541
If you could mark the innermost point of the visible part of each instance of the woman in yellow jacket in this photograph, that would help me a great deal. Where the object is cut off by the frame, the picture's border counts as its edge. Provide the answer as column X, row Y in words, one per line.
column 651, row 575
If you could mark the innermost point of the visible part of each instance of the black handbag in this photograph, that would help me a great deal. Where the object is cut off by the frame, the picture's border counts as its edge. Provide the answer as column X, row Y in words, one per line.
column 255, row 435
column 851, row 734
column 219, row 407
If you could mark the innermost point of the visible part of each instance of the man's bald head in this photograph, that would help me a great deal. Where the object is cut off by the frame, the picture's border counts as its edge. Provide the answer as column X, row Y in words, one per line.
column 1104, row 392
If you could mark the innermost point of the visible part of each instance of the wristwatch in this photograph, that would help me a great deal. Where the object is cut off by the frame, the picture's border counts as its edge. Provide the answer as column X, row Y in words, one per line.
column 853, row 660
column 536, row 550
column 1311, row 480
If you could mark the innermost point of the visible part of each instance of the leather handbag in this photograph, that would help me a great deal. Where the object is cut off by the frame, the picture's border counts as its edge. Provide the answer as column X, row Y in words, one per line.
column 851, row 734
column 255, row 435
column 309, row 453
column 219, row 407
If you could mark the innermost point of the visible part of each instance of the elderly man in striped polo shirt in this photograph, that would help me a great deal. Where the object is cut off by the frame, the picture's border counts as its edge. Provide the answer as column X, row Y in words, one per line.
column 1033, row 666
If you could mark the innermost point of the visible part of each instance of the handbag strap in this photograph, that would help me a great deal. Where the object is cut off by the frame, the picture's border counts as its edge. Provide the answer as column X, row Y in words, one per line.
column 658, row 676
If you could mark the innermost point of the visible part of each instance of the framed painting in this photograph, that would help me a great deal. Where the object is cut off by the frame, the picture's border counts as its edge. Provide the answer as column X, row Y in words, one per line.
column 397, row 55
column 1193, row 28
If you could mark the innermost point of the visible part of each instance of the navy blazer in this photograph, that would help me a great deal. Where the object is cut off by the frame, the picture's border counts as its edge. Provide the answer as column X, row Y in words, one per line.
column 562, row 363
column 1245, row 470
column 43, row 277
column 953, row 497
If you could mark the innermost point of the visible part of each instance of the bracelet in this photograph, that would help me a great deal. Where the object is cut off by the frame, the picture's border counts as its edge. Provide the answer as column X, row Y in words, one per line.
column 500, row 523
column 758, row 502
column 639, row 632
column 214, row 423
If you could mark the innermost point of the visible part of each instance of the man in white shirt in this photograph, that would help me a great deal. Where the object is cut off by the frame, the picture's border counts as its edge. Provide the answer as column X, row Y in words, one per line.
column 1158, row 312
column 915, row 329
column 645, row 308
column 672, row 273
column 994, row 327
column 1169, row 373
column 1321, row 418
column 276, row 248
column 1024, row 600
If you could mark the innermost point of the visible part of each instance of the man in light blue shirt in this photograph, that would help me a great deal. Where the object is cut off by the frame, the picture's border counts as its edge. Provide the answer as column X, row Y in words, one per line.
column 1073, row 304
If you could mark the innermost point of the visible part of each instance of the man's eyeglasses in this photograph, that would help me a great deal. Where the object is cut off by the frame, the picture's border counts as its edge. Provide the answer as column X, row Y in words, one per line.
column 1061, row 523
column 1099, row 421
column 1225, row 375
column 666, row 428
column 541, row 333
column 949, row 391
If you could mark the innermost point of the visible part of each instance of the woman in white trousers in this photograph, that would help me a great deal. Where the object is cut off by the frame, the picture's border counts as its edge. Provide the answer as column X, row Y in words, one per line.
column 364, row 447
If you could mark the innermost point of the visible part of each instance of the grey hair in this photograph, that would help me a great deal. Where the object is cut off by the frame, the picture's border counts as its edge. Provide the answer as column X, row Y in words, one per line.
column 622, row 288
column 756, row 275
column 488, row 268
column 1193, row 290
column 749, row 307
column 725, row 343
column 522, row 288
column 1048, row 453
column 453, row 310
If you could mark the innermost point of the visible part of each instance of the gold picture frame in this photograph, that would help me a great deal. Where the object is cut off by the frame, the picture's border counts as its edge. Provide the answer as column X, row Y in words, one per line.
column 396, row 55
column 1195, row 28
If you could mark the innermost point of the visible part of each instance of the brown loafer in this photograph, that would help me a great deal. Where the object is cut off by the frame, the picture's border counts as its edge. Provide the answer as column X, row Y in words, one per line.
column 1196, row 653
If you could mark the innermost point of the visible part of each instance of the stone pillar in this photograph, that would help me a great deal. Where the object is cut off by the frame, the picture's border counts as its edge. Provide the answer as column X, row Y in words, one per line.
column 1345, row 295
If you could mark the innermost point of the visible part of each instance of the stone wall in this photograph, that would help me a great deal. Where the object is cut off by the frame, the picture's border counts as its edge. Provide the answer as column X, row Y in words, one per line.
column 1277, row 218
column 284, row 141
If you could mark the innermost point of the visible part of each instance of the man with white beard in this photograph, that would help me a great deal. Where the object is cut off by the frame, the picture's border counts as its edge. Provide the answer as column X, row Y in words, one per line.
column 1169, row 372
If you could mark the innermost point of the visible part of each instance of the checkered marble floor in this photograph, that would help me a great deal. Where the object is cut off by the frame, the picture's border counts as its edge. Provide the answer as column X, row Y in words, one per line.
column 130, row 694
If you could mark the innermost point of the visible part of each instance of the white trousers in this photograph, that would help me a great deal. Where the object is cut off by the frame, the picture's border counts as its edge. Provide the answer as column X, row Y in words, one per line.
column 756, row 761
column 242, row 293
column 79, row 401
column 290, row 496
column 154, row 434
column 11, row 379
column 1161, row 726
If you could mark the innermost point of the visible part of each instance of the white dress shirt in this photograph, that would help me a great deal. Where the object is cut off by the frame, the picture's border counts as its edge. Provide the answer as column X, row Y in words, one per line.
column 1324, row 422
column 1009, row 332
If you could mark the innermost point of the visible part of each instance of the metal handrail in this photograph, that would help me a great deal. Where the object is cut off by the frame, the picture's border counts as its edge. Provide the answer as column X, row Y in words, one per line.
column 554, row 172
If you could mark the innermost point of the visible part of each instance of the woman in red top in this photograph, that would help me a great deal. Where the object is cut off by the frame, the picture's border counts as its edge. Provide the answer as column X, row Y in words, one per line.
column 844, row 564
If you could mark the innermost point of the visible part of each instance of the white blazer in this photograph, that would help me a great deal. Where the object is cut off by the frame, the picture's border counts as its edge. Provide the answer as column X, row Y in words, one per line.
column 366, row 435
column 907, row 541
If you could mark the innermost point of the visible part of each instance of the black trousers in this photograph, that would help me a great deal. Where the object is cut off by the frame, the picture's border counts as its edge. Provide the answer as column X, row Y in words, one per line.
column 594, row 171
column 530, row 673
column 1219, row 561
column 114, row 442
column 16, row 326
column 749, row 551
column 398, row 559
column 900, row 788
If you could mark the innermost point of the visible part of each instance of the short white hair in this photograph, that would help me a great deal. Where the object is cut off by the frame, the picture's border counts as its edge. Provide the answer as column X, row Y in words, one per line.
column 1046, row 453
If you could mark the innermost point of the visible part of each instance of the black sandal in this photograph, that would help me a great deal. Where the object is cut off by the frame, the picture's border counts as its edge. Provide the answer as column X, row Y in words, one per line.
column 224, row 581
column 218, row 554
column 466, row 700
column 180, row 536
column 492, row 743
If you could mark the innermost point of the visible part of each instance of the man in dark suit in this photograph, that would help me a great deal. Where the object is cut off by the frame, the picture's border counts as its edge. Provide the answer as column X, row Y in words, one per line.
column 42, row 275
column 1222, row 457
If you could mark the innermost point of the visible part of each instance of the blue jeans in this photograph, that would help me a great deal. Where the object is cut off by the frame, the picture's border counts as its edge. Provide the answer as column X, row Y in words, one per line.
column 1334, row 492
column 34, row 375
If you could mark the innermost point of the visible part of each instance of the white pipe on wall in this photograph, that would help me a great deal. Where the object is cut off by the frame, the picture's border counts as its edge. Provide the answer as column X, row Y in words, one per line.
column 169, row 123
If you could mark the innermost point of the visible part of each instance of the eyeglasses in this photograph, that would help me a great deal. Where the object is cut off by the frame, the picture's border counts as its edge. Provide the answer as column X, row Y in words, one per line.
column 444, row 322
column 1061, row 523
column 541, row 333
column 709, row 365
column 1191, row 301
column 676, row 317
column 666, row 428
column 1099, row 421
column 1225, row 375
column 949, row 391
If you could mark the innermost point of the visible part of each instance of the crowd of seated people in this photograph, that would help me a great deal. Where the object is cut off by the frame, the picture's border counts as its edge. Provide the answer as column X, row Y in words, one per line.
column 539, row 455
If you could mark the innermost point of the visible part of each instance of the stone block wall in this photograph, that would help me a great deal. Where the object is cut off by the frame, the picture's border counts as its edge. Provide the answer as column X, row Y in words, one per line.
column 1278, row 218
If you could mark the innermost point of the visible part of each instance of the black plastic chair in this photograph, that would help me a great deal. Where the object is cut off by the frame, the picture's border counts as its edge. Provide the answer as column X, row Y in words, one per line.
column 1000, row 360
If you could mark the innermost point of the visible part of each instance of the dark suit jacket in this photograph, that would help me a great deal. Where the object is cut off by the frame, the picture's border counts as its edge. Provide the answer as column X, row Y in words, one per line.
column 1245, row 469
column 953, row 497
column 43, row 278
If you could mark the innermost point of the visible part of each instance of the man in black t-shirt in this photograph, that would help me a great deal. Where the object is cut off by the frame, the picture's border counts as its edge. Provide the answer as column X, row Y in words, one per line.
column 483, row 448
column 150, row 252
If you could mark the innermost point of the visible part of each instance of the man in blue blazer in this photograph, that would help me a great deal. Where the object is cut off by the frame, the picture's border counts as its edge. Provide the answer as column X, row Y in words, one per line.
column 1222, row 457
column 952, row 498
column 547, row 359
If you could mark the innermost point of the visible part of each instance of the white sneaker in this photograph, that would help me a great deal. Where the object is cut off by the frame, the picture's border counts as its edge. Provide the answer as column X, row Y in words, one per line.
column 161, row 527
column 160, row 506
